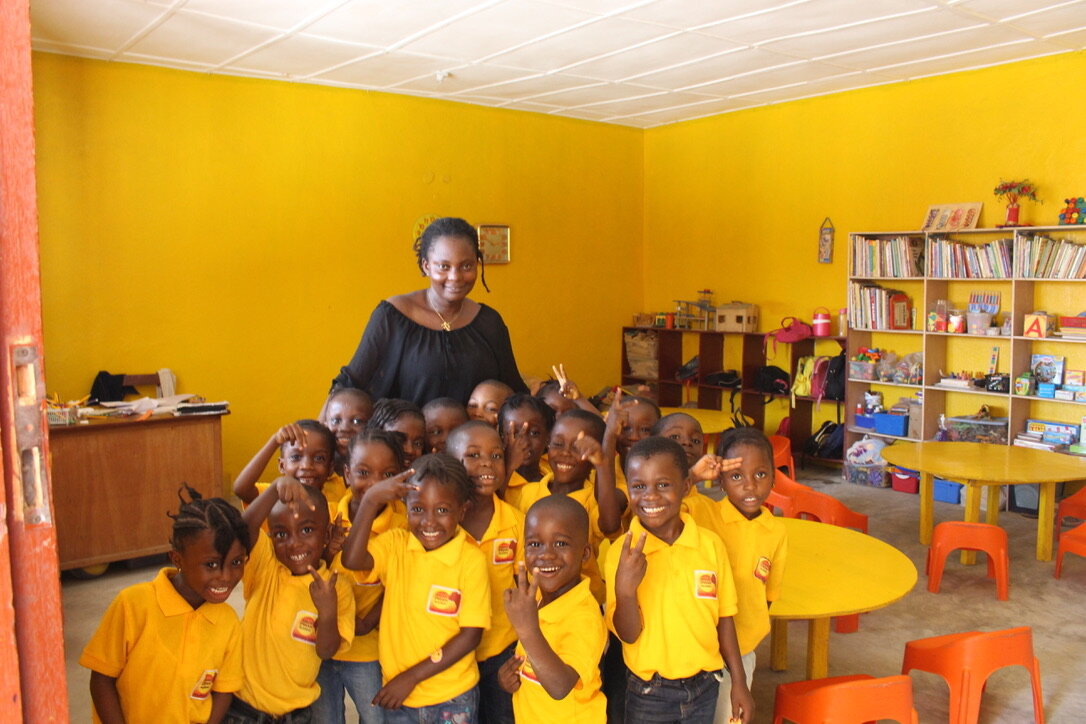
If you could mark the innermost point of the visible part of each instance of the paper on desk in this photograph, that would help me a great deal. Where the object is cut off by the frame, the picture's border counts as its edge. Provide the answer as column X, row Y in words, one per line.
column 143, row 404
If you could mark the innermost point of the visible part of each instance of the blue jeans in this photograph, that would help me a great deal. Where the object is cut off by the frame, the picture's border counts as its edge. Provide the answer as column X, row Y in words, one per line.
column 361, row 680
column 495, row 704
column 686, row 701
column 463, row 709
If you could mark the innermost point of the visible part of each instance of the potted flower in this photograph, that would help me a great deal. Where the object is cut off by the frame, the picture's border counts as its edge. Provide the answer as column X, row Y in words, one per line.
column 1012, row 191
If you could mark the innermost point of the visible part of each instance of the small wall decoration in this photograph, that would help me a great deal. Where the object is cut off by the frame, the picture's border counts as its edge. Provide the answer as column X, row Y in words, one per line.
column 1074, row 212
column 494, row 243
column 952, row 217
column 421, row 223
column 1012, row 191
column 825, row 242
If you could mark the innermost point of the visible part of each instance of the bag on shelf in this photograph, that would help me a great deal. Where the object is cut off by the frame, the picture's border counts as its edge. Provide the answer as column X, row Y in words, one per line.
column 771, row 380
column 727, row 379
column 807, row 369
column 688, row 371
column 791, row 330
column 834, row 386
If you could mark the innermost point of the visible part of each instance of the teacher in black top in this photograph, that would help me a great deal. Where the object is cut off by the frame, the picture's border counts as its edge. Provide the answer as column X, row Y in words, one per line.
column 435, row 342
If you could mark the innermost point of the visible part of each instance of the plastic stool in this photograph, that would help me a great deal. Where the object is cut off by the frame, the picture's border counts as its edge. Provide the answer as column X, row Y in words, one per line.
column 1073, row 541
column 954, row 535
column 966, row 660
column 846, row 700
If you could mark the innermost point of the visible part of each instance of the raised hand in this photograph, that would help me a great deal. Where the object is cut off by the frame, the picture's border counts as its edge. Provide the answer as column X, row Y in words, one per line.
column 520, row 602
column 291, row 432
column 391, row 489
column 516, row 446
column 632, row 565
column 323, row 591
column 293, row 495
column 586, row 448
column 337, row 534
column 566, row 387
column 509, row 674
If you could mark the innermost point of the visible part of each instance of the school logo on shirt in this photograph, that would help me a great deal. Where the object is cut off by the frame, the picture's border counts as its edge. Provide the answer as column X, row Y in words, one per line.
column 443, row 601
column 505, row 550
column 705, row 584
column 528, row 672
column 305, row 628
column 762, row 568
column 203, row 686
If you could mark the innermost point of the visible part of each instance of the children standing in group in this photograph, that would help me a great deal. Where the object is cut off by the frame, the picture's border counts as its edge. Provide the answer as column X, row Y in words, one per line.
column 296, row 614
column 486, row 399
column 170, row 650
column 307, row 450
column 554, row 675
column 685, row 430
column 497, row 528
column 405, row 418
column 527, row 418
column 437, row 593
column 442, row 416
column 373, row 456
column 671, row 598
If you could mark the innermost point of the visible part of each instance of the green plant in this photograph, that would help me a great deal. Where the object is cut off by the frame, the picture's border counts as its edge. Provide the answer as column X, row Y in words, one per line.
column 1015, row 189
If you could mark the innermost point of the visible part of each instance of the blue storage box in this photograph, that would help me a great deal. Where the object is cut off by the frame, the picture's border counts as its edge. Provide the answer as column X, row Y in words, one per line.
column 867, row 422
column 888, row 424
column 948, row 491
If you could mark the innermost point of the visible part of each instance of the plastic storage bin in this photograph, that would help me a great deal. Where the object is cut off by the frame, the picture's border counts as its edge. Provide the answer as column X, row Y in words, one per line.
column 888, row 424
column 904, row 480
column 867, row 422
column 861, row 370
column 948, row 491
column 968, row 429
column 873, row 475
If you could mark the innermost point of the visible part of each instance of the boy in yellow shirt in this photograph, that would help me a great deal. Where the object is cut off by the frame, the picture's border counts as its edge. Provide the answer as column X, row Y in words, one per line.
column 554, row 675
column 527, row 421
column 671, row 599
column 442, row 416
column 296, row 614
column 170, row 650
column 437, row 594
column 685, row 430
column 486, row 399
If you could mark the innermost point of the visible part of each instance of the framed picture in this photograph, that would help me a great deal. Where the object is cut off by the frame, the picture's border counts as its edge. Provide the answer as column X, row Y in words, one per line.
column 494, row 243
column 825, row 242
column 952, row 217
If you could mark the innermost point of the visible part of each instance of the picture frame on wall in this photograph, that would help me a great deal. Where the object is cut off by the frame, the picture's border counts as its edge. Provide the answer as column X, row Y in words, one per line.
column 494, row 243
column 825, row 242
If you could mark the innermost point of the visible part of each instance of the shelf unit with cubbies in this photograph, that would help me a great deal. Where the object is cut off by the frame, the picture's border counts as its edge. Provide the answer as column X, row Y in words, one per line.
column 1022, row 291
column 669, row 358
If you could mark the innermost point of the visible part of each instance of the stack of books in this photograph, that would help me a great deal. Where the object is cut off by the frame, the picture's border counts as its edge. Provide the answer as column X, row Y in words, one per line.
column 899, row 257
column 1035, row 441
column 957, row 260
column 1040, row 257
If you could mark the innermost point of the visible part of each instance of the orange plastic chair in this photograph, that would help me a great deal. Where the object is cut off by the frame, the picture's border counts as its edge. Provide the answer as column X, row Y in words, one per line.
column 966, row 660
column 1073, row 506
column 953, row 535
column 846, row 700
column 782, row 454
column 1073, row 541
column 782, row 495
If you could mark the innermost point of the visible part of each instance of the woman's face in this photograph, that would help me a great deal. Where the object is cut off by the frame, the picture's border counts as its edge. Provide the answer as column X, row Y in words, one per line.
column 452, row 268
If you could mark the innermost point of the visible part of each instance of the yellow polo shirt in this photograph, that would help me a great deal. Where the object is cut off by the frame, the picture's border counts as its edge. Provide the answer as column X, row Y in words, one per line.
column 573, row 626
column 756, row 551
column 514, row 488
column 166, row 656
column 687, row 589
column 366, row 595
column 587, row 498
column 429, row 597
column 503, row 546
column 702, row 509
column 278, row 632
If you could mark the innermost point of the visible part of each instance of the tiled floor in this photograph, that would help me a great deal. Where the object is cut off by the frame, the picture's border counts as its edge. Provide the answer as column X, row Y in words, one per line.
column 967, row 602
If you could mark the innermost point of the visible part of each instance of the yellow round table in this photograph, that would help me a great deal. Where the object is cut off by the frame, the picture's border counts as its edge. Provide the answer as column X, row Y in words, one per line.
column 832, row 571
column 976, row 465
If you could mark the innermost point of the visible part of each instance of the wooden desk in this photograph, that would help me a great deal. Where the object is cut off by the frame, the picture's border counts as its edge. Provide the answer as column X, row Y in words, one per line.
column 977, row 465
column 832, row 571
column 113, row 482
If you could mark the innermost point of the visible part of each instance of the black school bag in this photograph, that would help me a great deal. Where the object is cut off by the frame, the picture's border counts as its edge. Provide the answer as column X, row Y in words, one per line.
column 835, row 378
column 772, row 380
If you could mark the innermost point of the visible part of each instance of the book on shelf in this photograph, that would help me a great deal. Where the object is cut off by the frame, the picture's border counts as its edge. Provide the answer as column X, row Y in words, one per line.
column 1023, row 440
column 958, row 260
column 900, row 256
column 1042, row 257
column 871, row 306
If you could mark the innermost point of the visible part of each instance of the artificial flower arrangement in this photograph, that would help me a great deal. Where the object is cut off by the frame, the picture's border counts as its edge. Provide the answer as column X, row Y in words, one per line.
column 1012, row 191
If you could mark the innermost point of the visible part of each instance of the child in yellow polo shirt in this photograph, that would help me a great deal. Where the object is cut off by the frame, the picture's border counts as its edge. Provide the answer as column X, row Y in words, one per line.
column 296, row 614
column 756, row 541
column 437, row 594
column 442, row 416
column 373, row 456
column 170, row 650
column 486, row 399
column 527, row 418
column 685, row 430
column 307, row 450
column 346, row 412
column 554, row 675
column 404, row 417
column 671, row 599
column 497, row 528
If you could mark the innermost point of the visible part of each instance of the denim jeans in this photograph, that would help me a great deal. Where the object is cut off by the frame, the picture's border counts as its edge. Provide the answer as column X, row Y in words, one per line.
column 241, row 713
column 463, row 709
column 361, row 680
column 495, row 704
column 686, row 701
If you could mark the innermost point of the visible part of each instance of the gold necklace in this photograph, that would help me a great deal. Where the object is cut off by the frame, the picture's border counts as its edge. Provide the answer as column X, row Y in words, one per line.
column 446, row 324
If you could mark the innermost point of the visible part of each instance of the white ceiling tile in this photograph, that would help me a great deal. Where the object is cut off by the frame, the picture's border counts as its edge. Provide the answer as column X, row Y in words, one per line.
column 1051, row 21
column 797, row 73
column 278, row 14
column 598, row 7
column 495, row 29
column 298, row 56
column 163, row 62
column 1000, row 9
column 588, row 41
column 386, row 69
column 679, row 113
column 387, row 22
column 693, row 13
column 81, row 51
column 200, row 39
column 968, row 59
column 585, row 114
column 536, row 86
column 807, row 17
column 105, row 24
column 928, row 47
column 714, row 68
column 534, row 106
column 1071, row 39
column 658, row 54
column 463, row 78
column 643, row 105
column 875, row 33
column 594, row 94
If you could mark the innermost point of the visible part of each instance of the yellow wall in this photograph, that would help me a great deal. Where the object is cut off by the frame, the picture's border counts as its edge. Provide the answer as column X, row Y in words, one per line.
column 239, row 231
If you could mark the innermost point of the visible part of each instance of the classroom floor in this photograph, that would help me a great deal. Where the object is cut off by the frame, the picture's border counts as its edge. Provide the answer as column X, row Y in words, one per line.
column 966, row 602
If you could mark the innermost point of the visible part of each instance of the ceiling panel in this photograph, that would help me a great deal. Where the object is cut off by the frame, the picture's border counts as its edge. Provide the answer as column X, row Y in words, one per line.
column 581, row 43
column 712, row 69
column 796, row 73
column 650, row 103
column 857, row 37
column 939, row 45
column 201, row 38
column 386, row 22
column 1051, row 21
column 298, row 55
column 386, row 69
column 535, row 86
column 595, row 94
column 667, row 51
column 693, row 13
column 1001, row 9
column 279, row 14
column 968, row 59
column 107, row 24
column 463, row 78
column 679, row 113
column 808, row 17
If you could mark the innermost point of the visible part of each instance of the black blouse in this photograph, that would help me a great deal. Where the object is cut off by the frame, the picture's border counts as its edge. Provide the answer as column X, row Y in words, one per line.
column 399, row 357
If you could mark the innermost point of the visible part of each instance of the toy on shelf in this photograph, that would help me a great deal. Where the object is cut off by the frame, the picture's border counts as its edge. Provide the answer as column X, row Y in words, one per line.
column 1074, row 212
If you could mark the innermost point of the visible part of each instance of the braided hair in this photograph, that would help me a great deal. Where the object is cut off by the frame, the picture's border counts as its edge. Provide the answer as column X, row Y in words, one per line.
column 444, row 470
column 452, row 227
column 390, row 409
column 390, row 439
column 198, row 514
